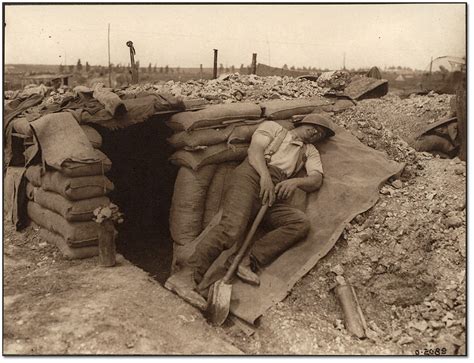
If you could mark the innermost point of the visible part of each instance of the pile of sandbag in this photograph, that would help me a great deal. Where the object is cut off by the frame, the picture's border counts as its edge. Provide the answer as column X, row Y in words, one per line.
column 210, row 143
column 62, row 198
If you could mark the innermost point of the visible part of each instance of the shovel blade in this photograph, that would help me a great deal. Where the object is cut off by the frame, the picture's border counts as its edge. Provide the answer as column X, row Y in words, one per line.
column 219, row 302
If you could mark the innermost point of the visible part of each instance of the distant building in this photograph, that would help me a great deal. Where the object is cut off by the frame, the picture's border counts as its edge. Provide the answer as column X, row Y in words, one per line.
column 50, row 80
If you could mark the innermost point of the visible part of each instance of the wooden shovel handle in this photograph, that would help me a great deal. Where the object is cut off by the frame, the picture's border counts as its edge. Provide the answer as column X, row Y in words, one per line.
column 246, row 244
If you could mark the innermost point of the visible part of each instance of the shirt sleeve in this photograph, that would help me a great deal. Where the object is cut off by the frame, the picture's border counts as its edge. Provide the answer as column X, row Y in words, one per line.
column 269, row 129
column 313, row 160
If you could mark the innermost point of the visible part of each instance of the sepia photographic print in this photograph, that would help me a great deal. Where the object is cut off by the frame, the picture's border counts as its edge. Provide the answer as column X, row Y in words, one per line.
column 234, row 179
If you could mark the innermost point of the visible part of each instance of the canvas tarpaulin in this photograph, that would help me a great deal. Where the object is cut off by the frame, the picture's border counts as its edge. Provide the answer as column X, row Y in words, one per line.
column 353, row 174
column 61, row 139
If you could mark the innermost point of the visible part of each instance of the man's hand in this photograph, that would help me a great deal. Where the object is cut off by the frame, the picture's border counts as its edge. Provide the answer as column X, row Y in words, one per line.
column 286, row 188
column 267, row 190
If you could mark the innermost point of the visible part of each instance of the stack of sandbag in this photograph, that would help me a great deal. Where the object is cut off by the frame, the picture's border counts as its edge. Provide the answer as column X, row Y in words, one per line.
column 62, row 197
column 63, row 206
column 210, row 143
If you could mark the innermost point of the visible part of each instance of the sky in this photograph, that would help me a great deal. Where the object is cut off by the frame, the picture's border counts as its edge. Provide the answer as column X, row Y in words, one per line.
column 315, row 35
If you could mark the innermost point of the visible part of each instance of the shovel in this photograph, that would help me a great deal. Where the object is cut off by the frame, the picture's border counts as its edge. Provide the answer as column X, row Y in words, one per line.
column 221, row 292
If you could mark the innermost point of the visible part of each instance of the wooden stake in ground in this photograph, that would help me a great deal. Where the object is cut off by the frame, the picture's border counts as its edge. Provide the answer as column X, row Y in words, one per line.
column 214, row 74
column 254, row 63
column 132, row 62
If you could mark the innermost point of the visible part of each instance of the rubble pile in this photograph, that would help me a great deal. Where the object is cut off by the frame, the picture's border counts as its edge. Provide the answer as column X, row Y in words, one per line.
column 335, row 80
column 235, row 88
column 404, row 117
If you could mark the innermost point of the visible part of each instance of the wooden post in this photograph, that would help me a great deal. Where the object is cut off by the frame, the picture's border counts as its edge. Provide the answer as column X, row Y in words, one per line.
column 214, row 74
column 107, row 244
column 200, row 71
column 254, row 63
column 431, row 65
column 110, row 69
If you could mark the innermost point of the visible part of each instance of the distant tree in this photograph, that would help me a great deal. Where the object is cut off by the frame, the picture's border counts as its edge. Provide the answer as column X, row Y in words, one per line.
column 304, row 68
column 71, row 68
column 167, row 69
column 61, row 68
column 154, row 68
column 221, row 68
column 292, row 68
column 88, row 67
column 149, row 68
column 161, row 69
column 79, row 65
column 232, row 68
column 241, row 69
column 285, row 66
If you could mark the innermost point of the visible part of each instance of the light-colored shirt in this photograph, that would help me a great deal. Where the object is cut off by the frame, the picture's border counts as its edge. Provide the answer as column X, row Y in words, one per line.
column 287, row 155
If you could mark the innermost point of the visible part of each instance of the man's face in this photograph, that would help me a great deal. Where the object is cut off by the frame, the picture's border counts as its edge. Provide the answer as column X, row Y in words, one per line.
column 312, row 133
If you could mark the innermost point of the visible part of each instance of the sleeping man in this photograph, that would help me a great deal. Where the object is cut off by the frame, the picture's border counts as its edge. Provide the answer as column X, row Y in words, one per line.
column 267, row 175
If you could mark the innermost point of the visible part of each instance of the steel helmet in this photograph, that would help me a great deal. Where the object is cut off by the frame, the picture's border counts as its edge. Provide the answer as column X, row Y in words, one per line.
column 320, row 120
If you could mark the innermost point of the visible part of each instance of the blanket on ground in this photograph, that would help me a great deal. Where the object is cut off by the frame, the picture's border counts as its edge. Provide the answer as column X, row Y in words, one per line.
column 353, row 174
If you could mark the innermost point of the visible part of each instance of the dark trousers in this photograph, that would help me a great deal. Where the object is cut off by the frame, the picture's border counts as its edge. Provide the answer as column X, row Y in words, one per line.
column 240, row 206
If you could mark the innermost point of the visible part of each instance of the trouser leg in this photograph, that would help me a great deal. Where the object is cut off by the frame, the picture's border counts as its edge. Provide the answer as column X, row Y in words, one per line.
column 240, row 204
column 289, row 225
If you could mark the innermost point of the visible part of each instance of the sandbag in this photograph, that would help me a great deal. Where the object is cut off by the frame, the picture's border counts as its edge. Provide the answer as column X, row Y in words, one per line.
column 243, row 134
column 93, row 135
column 285, row 109
column 433, row 143
column 215, row 192
column 76, row 168
column 214, row 154
column 214, row 115
column 197, row 138
column 76, row 234
column 112, row 102
column 187, row 204
column 72, row 211
column 66, row 251
column 22, row 126
column 84, row 187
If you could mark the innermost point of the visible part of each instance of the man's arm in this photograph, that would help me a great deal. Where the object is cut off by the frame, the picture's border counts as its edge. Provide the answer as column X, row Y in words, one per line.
column 257, row 160
column 309, row 184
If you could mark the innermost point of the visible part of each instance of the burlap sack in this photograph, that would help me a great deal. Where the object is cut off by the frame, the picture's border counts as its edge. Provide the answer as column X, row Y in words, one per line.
column 214, row 115
column 75, row 168
column 84, row 187
column 93, row 135
column 284, row 109
column 243, row 134
column 197, row 138
column 433, row 143
column 187, row 205
column 214, row 154
column 72, row 211
column 66, row 251
column 216, row 190
column 76, row 234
